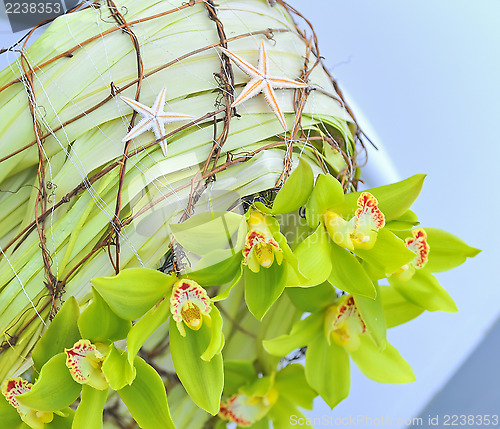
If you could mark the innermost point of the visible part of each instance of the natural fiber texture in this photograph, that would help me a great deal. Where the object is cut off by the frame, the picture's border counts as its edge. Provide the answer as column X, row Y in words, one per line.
column 78, row 203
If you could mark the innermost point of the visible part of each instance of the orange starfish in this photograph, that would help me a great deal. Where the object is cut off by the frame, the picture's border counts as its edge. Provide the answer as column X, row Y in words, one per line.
column 261, row 81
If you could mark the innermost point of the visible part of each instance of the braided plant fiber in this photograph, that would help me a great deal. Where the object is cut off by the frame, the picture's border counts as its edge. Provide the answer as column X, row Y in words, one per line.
column 69, row 179
column 102, row 225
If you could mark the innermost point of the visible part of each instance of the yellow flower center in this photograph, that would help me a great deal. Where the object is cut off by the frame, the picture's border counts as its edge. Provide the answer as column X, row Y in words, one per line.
column 191, row 315
column 361, row 231
column 264, row 253
column 343, row 324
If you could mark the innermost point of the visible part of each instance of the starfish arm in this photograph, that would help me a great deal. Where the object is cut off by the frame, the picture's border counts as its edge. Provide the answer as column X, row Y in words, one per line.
column 251, row 89
column 283, row 82
column 167, row 117
column 159, row 131
column 138, row 107
column 273, row 103
column 263, row 66
column 143, row 125
column 157, row 107
column 242, row 64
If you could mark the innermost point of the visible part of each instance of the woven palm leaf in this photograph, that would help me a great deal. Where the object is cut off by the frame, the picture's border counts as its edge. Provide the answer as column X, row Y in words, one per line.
column 63, row 165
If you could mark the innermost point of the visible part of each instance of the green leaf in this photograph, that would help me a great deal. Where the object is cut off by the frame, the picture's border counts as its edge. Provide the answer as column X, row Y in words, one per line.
column 314, row 260
column 146, row 398
column 348, row 274
column 216, row 336
column 99, row 324
column 326, row 194
column 393, row 200
column 62, row 333
column 424, row 290
column 397, row 309
column 259, row 386
column 372, row 313
column 64, row 421
column 327, row 370
column 206, row 232
column 389, row 253
column 285, row 415
column 143, row 329
column 55, row 388
column 218, row 273
column 289, row 257
column 262, row 289
column 89, row 411
column 263, row 423
column 8, row 414
column 237, row 373
column 303, row 332
column 117, row 369
column 447, row 251
column 225, row 293
column 296, row 190
column 404, row 222
column 292, row 385
column 385, row 366
column 134, row 291
column 202, row 380
column 312, row 299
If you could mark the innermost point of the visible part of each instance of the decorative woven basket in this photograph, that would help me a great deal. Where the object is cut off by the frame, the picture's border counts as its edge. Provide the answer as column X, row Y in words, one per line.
column 89, row 197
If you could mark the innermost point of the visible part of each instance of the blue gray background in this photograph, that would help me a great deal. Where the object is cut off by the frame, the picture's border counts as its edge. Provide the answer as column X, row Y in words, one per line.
column 424, row 75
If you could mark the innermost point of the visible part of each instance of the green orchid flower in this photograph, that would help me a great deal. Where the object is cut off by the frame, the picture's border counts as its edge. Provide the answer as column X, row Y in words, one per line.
column 189, row 303
column 253, row 401
column 161, row 298
column 434, row 251
column 196, row 353
column 261, row 249
column 34, row 418
column 267, row 260
column 245, row 410
column 350, row 327
column 85, row 361
column 348, row 231
column 234, row 247
column 361, row 231
column 77, row 356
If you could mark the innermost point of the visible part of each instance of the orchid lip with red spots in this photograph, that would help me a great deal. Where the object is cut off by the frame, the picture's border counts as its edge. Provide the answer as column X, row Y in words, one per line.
column 13, row 387
column 261, row 249
column 418, row 245
column 343, row 323
column 361, row 231
column 189, row 302
column 245, row 410
column 84, row 361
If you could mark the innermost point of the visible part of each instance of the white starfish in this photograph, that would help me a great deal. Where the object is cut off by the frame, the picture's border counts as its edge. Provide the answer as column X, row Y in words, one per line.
column 261, row 81
column 154, row 118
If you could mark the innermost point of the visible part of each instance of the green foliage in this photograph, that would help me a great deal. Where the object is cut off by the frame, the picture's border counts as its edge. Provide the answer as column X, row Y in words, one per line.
column 202, row 379
column 146, row 398
column 133, row 292
column 54, row 389
column 135, row 304
column 99, row 324
column 62, row 333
